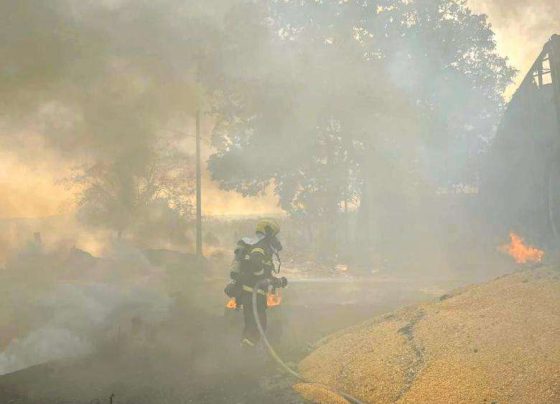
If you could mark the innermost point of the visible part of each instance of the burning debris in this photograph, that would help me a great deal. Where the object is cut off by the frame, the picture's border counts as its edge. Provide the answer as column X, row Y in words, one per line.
column 231, row 304
column 274, row 299
column 521, row 253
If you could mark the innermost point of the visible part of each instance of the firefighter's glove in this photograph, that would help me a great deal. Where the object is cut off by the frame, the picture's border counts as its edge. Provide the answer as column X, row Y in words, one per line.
column 233, row 290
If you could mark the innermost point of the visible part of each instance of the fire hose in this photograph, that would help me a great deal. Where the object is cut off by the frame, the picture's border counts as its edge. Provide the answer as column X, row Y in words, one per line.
column 264, row 284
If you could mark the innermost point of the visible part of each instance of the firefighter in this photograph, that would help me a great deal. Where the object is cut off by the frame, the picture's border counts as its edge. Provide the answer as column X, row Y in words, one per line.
column 254, row 262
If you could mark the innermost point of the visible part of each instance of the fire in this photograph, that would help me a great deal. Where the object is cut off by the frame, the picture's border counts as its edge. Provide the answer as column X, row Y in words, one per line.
column 521, row 253
column 231, row 304
column 273, row 299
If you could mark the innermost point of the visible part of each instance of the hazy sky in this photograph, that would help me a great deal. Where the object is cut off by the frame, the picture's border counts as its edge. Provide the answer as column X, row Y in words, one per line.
column 521, row 26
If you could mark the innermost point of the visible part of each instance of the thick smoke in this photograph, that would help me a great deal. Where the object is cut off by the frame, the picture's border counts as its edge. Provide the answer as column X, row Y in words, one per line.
column 66, row 304
column 351, row 107
column 102, row 79
column 41, row 346
column 109, row 89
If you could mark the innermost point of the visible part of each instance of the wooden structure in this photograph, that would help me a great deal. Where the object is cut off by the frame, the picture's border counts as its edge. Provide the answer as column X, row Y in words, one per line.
column 521, row 180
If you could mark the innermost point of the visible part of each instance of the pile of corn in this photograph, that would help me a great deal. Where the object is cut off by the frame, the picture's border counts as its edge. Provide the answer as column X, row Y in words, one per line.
column 318, row 393
column 494, row 343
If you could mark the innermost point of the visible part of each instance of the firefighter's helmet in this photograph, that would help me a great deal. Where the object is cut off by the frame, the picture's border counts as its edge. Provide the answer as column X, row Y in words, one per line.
column 268, row 227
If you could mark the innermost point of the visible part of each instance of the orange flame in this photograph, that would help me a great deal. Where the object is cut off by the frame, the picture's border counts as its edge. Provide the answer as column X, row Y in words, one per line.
column 231, row 304
column 521, row 253
column 273, row 299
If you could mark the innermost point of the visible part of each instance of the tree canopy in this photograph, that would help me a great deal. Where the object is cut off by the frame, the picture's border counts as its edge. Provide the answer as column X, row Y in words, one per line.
column 360, row 87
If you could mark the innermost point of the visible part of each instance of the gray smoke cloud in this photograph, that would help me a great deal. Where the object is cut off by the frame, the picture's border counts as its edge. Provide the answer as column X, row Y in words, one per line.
column 79, row 317
column 99, row 80
column 109, row 89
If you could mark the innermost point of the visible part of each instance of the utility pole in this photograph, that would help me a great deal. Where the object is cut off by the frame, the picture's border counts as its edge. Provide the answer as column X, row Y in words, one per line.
column 198, row 190
column 346, row 222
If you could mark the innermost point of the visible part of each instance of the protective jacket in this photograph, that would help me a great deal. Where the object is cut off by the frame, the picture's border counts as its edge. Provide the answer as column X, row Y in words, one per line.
column 254, row 262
